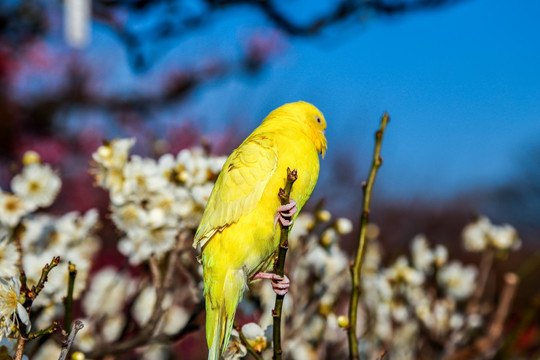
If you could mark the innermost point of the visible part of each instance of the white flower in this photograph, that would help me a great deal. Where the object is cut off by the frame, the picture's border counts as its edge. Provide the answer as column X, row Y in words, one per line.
column 235, row 349
column 146, row 241
column 49, row 350
column 328, row 237
column 12, row 209
column 474, row 234
column 36, row 229
column 114, row 154
column 144, row 305
column 458, row 281
column 422, row 256
column 504, row 237
column 401, row 271
column 141, row 176
column 175, row 319
column 38, row 184
column 399, row 312
column 10, row 308
column 128, row 216
column 192, row 167
column 255, row 336
column 344, row 226
column 9, row 257
column 166, row 165
column 113, row 326
column 440, row 255
column 108, row 293
column 383, row 324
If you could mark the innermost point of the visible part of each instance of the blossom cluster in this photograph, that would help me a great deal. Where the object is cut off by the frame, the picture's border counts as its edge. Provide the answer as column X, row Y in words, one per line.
column 426, row 295
column 29, row 240
column 152, row 199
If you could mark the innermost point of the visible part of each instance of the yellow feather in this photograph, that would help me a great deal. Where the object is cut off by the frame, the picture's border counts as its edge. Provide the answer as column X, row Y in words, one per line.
column 237, row 233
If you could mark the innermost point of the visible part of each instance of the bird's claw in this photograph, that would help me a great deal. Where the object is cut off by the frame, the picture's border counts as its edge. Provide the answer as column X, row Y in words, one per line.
column 280, row 284
column 285, row 212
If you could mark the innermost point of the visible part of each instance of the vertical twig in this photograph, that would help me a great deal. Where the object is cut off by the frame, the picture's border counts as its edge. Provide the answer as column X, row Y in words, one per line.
column 284, row 195
column 356, row 266
column 68, row 341
column 20, row 347
column 486, row 263
column 68, row 300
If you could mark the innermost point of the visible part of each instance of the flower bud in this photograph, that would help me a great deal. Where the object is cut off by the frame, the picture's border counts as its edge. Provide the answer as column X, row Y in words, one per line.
column 31, row 157
column 343, row 321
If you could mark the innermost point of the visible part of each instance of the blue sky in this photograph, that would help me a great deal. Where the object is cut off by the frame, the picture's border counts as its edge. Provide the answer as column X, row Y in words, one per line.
column 462, row 86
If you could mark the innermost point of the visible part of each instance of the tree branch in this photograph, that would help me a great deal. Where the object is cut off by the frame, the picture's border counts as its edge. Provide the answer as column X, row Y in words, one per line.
column 356, row 267
column 68, row 340
column 284, row 195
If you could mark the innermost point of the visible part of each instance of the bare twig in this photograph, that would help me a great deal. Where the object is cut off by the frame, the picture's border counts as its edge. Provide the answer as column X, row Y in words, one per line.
column 488, row 345
column 52, row 328
column 244, row 341
column 284, row 195
column 486, row 263
column 355, row 268
column 68, row 300
column 68, row 339
column 20, row 347
column 34, row 292
column 154, row 270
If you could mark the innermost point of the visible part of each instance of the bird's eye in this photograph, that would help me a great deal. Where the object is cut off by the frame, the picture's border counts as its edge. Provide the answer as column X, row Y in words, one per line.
column 318, row 119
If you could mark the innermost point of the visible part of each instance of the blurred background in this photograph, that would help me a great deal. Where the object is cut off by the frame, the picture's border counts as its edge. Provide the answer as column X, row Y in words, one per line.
column 459, row 78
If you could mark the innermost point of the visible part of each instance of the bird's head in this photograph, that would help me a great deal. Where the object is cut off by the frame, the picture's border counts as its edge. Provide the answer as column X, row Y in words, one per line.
column 309, row 120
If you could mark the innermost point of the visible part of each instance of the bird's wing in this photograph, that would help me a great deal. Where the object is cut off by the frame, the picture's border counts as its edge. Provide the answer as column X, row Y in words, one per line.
column 239, row 187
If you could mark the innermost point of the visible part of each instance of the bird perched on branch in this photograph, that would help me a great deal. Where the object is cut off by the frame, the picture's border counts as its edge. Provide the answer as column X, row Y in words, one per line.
column 238, row 234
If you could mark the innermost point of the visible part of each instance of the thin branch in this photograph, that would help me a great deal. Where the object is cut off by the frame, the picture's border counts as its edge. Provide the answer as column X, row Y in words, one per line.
column 355, row 268
column 49, row 330
column 20, row 347
column 284, row 195
column 68, row 300
column 486, row 263
column 68, row 343
column 248, row 346
column 34, row 292
column 488, row 344
column 182, row 24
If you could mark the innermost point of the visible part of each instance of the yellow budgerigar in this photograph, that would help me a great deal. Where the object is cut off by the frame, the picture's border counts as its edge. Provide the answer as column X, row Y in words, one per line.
column 238, row 233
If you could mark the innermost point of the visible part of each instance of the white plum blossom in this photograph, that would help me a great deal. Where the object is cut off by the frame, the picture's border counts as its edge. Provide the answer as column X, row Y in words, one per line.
column 38, row 184
column 457, row 280
column 11, row 310
column 255, row 336
column 108, row 292
column 474, row 234
column 9, row 258
column 504, row 237
column 422, row 256
column 343, row 226
column 401, row 271
column 12, row 208
column 152, row 200
column 114, row 154
column 236, row 350
column 481, row 234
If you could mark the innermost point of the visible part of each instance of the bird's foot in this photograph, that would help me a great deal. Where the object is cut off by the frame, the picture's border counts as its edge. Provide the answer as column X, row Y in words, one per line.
column 285, row 213
column 280, row 284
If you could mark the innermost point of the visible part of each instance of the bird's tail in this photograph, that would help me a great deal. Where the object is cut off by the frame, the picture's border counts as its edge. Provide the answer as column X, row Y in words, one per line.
column 222, row 297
